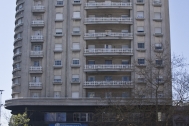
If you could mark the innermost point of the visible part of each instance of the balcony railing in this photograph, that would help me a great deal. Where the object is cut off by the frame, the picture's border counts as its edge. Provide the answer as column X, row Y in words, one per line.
column 35, row 84
column 108, row 4
column 36, row 38
column 38, row 23
column 107, row 83
column 157, row 3
column 109, row 67
column 35, row 68
column 38, row 8
column 99, row 51
column 108, row 34
column 36, row 53
column 108, row 19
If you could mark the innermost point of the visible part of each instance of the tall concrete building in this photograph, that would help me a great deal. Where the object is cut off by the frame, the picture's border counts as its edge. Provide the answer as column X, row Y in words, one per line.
column 69, row 54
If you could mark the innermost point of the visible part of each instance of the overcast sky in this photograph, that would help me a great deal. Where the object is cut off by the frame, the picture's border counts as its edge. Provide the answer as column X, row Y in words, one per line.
column 179, row 19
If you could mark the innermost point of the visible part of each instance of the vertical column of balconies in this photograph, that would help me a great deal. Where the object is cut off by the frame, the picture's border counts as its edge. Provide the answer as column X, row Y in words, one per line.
column 108, row 49
column 36, row 50
column 17, row 47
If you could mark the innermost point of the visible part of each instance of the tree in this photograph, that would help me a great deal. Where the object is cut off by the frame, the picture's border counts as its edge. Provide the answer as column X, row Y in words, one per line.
column 19, row 120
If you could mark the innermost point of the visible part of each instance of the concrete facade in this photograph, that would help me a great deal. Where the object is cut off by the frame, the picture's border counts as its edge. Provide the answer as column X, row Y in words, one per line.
column 70, row 50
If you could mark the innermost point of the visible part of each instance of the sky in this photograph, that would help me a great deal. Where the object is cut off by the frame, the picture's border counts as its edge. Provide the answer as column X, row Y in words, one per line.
column 179, row 18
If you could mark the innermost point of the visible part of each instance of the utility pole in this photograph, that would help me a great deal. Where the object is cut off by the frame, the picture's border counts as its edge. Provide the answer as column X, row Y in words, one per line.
column 1, row 91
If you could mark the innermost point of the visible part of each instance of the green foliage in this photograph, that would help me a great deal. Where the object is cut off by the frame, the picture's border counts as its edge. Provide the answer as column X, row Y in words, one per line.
column 19, row 120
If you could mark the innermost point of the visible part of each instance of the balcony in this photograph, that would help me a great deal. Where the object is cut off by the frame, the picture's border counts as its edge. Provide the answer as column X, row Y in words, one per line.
column 17, row 39
column 38, row 9
column 57, row 81
column 110, row 51
column 38, row 23
column 75, row 81
column 157, row 3
column 35, row 85
column 18, row 25
column 109, row 84
column 36, row 54
column 17, row 54
column 16, row 69
column 19, row 2
column 108, row 35
column 37, row 38
column 108, row 67
column 108, row 20
column 19, row 10
column 35, row 69
column 116, row 5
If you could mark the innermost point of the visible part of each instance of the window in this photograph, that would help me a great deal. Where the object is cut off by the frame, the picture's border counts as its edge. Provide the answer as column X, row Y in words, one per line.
column 76, row 15
column 75, row 94
column 158, row 30
column 158, row 46
column 141, row 78
column 57, row 94
column 91, row 62
column 140, row 1
column 141, row 61
column 91, row 78
column 75, row 78
column 76, row 1
column 140, row 14
column 108, row 94
column 58, row 47
column 55, row 117
column 125, row 94
column 36, row 79
column 141, row 45
column 126, row 78
column 107, row 46
column 125, row 31
column 140, row 29
column 59, row 2
column 160, row 94
column 159, row 79
column 36, row 63
column 15, row 81
column 125, row 62
column 125, row 46
column 82, row 117
column 108, row 78
column 75, row 61
column 58, row 31
column 76, row 46
column 37, row 47
column 108, row 61
column 159, row 62
column 91, row 94
column 35, row 94
column 58, row 62
column 59, row 16
column 91, row 46
column 124, row 16
column 76, row 30
column 157, row 15
column 57, row 79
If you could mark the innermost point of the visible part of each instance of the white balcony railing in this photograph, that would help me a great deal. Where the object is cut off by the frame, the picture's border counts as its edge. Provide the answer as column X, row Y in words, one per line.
column 38, row 8
column 36, row 53
column 111, row 50
column 107, row 83
column 36, row 37
column 38, row 22
column 108, row 66
column 35, row 84
column 108, row 19
column 109, row 4
column 108, row 34
column 35, row 68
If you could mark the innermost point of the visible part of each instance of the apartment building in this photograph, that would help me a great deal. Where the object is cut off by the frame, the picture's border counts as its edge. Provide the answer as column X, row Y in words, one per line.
column 69, row 54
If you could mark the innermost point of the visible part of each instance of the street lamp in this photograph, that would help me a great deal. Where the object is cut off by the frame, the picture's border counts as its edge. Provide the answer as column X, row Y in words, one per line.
column 1, row 91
